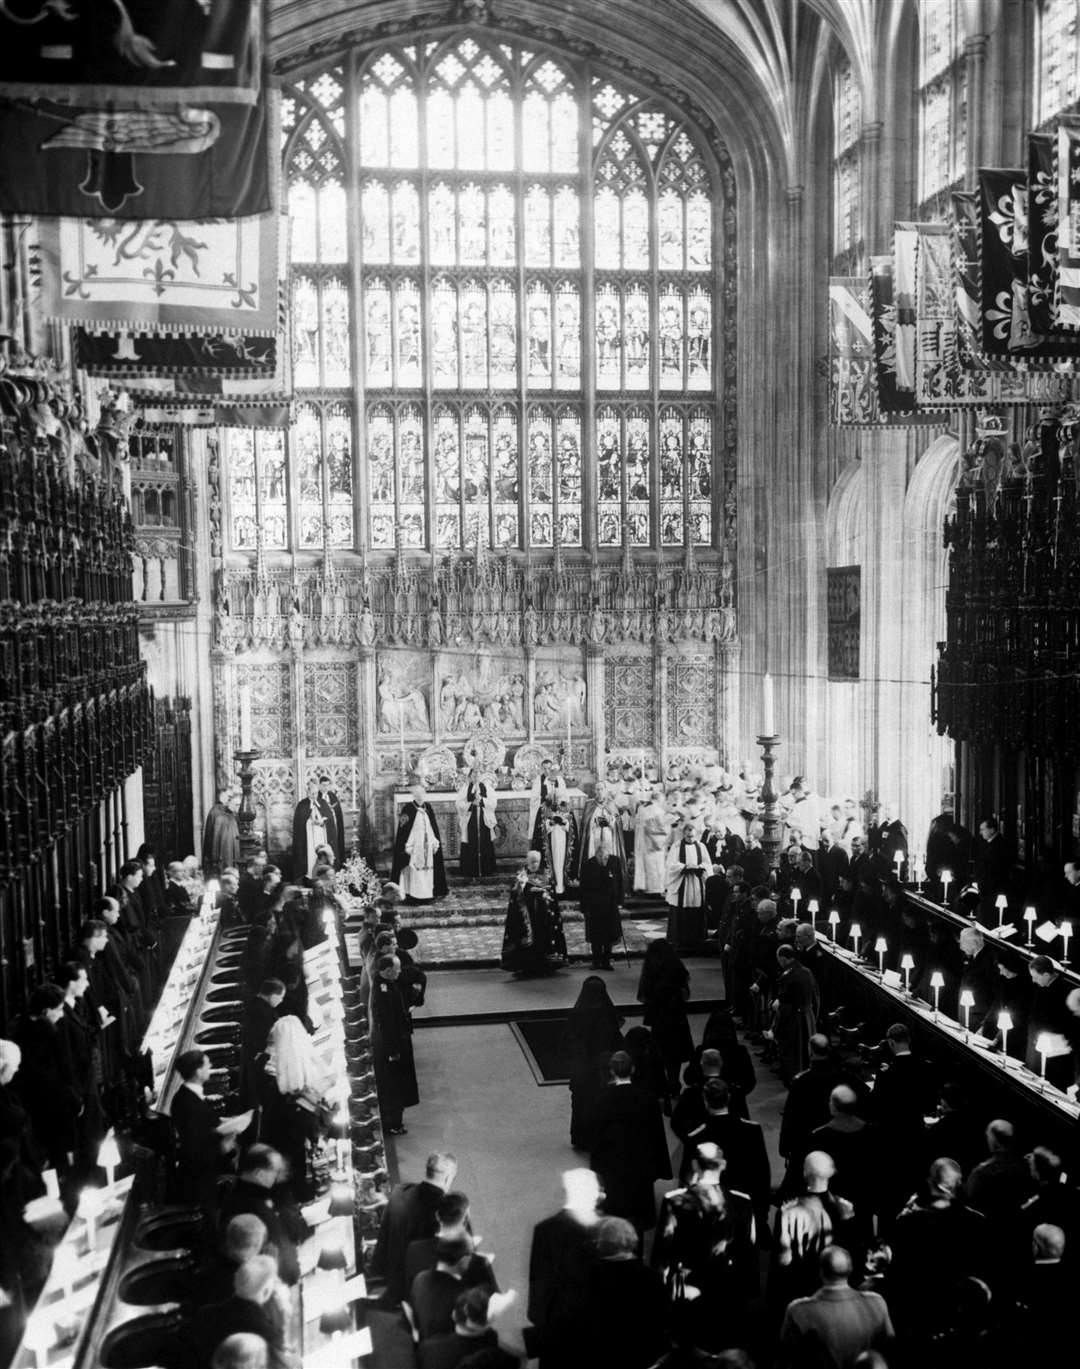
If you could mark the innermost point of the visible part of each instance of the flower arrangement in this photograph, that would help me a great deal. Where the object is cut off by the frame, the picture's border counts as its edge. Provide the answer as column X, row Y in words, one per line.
column 358, row 882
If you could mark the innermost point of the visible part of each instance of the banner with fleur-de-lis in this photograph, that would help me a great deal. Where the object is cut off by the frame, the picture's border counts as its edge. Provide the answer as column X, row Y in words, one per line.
column 1066, row 311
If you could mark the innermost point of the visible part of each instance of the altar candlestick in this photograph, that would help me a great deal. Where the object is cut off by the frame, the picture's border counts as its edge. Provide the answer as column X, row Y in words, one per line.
column 907, row 964
column 834, row 922
column 1005, row 1024
column 1001, row 903
column 967, row 1002
column 1029, row 917
column 769, row 721
column 946, row 880
column 856, row 936
column 881, row 946
column 937, row 983
column 245, row 717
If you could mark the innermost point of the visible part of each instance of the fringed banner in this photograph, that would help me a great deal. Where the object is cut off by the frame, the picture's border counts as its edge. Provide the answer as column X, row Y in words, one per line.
column 1042, row 232
column 124, row 355
column 891, row 400
column 851, row 354
column 191, row 161
column 998, row 264
column 142, row 52
column 905, row 251
column 170, row 276
column 1066, row 311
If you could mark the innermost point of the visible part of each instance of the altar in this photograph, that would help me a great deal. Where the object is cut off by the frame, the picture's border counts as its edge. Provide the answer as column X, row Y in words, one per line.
column 511, row 835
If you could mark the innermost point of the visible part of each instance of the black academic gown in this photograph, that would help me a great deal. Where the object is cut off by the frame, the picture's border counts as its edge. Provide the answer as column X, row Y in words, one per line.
column 477, row 848
column 299, row 833
column 221, row 840
column 336, row 835
column 198, row 1150
column 560, row 1264
column 404, row 831
column 629, row 1152
column 391, row 1039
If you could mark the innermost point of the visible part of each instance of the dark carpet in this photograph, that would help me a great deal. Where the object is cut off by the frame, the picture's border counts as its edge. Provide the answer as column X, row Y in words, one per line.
column 540, row 1040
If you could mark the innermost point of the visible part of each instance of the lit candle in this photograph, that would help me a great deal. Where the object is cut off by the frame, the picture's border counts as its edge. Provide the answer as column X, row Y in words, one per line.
column 834, row 922
column 937, row 983
column 769, row 724
column 967, row 1002
column 1029, row 917
column 855, row 934
column 907, row 964
column 1066, row 932
column 1042, row 1045
column 1005, row 1024
column 1001, row 903
column 109, row 1157
column 881, row 946
column 946, row 880
column 245, row 717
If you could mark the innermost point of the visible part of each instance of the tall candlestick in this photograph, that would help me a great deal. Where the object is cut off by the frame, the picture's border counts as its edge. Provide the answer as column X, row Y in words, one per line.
column 768, row 727
column 812, row 910
column 354, row 782
column 1042, row 1045
column 946, row 880
column 245, row 717
column 796, row 895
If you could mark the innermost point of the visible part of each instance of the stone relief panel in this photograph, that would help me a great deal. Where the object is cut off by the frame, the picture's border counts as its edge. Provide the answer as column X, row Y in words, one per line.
column 330, row 708
column 692, row 701
column 271, row 707
column 274, row 790
column 629, row 707
column 403, row 703
column 560, row 695
column 481, row 691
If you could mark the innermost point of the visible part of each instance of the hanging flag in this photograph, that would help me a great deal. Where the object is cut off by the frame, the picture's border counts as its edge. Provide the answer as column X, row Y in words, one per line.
column 147, row 53
column 852, row 401
column 123, row 355
column 905, row 251
column 168, row 275
column 1066, row 312
column 191, row 161
column 891, row 400
column 997, row 260
column 1042, row 231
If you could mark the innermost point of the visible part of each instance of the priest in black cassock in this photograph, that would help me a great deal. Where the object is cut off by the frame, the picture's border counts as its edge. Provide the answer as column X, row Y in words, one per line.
column 476, row 818
column 313, row 825
column 418, row 865
column 533, row 938
column 221, row 837
column 335, row 836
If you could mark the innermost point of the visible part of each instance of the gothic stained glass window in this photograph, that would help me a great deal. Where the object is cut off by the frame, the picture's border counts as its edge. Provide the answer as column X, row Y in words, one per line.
column 942, row 101
column 1057, row 69
column 451, row 230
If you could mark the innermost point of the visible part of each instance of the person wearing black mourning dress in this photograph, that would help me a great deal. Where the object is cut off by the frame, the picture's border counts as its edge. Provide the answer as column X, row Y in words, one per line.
column 601, row 893
column 476, row 805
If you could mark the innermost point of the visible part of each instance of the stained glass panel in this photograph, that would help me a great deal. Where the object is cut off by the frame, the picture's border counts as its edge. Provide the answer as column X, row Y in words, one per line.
column 336, row 369
column 409, row 350
column 608, row 339
column 374, row 222
column 635, row 245
column 333, row 218
column 447, row 478
column 567, row 230
column 380, row 442
column 377, row 333
column 305, row 332
column 444, row 335
column 564, row 134
column 699, row 341
column 698, row 232
column 607, row 231
column 410, row 437
column 701, row 480
column 339, row 474
column 609, row 477
column 307, row 446
column 504, row 478
column 671, row 477
column 637, row 337
column 241, row 468
column 503, row 336
column 270, row 458
column 404, row 144
column 671, row 339
column 568, row 434
column 539, row 313
column 670, row 215
column 541, row 482
column 442, row 224
column 374, row 128
column 406, row 222
column 568, row 337
column 502, row 246
column 474, row 336
column 472, row 226
column 440, row 129
column 537, row 227
column 536, row 132
column 303, row 230
column 500, row 132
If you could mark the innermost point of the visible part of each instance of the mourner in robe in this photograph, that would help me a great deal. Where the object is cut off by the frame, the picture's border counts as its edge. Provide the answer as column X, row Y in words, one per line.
column 476, row 819
column 391, row 1041
column 602, row 811
column 688, row 865
column 548, row 787
column 559, row 851
column 797, row 1005
column 313, row 823
column 533, row 939
column 221, row 837
column 418, row 859
column 652, row 829
column 332, row 804
column 601, row 897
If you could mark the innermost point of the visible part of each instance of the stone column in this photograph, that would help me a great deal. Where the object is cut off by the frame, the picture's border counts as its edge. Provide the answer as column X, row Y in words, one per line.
column 594, row 681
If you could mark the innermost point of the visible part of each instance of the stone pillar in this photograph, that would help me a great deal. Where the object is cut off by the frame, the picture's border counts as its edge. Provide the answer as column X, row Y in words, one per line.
column 983, row 109
column 371, row 840
column 594, row 681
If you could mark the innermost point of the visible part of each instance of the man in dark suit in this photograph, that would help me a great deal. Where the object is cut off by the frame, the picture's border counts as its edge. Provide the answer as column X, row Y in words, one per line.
column 979, row 975
column 434, row 1292
column 742, row 1144
column 959, row 1131
column 991, row 866
column 905, row 1093
column 1000, row 1185
column 452, row 1216
column 335, row 833
column 629, row 1150
column 626, row 1310
column 410, row 1215
column 807, row 1104
column 198, row 1144
column 260, row 1014
column 246, row 1310
column 258, row 1190
column 560, row 1260
column 853, row 1145
column 77, row 1031
column 249, row 895
column 1049, row 1015
column 45, row 1081
column 471, row 1342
